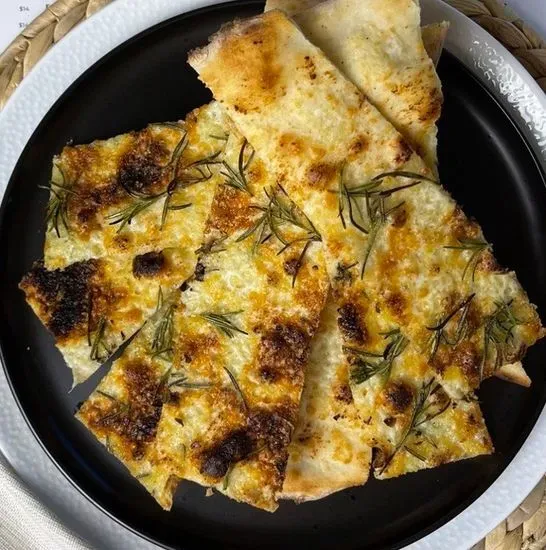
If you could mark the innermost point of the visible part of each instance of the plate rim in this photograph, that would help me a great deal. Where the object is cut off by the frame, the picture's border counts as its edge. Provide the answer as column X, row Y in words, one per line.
column 94, row 39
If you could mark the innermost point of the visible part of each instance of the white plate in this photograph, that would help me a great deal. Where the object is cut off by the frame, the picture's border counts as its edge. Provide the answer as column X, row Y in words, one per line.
column 487, row 59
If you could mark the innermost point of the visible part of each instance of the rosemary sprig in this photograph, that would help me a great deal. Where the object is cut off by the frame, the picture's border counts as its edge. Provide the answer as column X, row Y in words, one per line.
column 223, row 323
column 160, row 300
column 225, row 482
column 213, row 246
column 477, row 247
column 237, row 387
column 370, row 364
column 199, row 171
column 375, row 201
column 57, row 207
column 180, row 380
column 279, row 212
column 162, row 342
column 236, row 177
column 404, row 174
column 107, row 395
column 424, row 410
column 97, row 343
column 126, row 215
column 439, row 330
column 120, row 410
column 498, row 333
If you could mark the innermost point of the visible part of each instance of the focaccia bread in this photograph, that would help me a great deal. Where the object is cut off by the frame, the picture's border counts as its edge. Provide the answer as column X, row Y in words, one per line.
column 233, row 345
column 382, row 219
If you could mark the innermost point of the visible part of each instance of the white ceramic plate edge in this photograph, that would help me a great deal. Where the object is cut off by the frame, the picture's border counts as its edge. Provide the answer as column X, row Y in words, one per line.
column 118, row 22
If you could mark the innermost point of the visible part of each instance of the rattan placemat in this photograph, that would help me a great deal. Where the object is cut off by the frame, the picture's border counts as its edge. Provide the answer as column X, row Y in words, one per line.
column 525, row 529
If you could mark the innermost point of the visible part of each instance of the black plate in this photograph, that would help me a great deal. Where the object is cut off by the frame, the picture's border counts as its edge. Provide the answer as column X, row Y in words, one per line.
column 485, row 163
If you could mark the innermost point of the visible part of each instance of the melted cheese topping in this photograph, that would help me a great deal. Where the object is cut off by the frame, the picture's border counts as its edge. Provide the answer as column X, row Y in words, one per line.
column 232, row 395
column 263, row 55
column 107, row 180
column 106, row 300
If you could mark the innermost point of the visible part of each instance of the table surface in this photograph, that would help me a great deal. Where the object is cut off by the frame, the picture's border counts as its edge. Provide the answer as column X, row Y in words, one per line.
column 14, row 16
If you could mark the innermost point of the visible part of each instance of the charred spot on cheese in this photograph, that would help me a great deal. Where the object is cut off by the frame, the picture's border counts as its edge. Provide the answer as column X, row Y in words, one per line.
column 344, row 273
column 136, row 419
column 200, row 271
column 344, row 394
column 351, row 325
column 149, row 264
column 398, row 396
column 358, row 145
column 396, row 303
column 399, row 217
column 292, row 266
column 63, row 293
column 403, row 151
column 142, row 166
column 309, row 66
column 321, row 174
column 272, row 428
column 283, row 353
column 234, row 447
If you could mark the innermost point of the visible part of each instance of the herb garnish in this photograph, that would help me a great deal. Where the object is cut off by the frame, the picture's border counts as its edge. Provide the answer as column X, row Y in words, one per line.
column 371, row 364
column 498, row 333
column 223, row 323
column 424, row 410
column 375, row 200
column 280, row 211
column 440, row 329
column 97, row 343
column 236, row 177
column 179, row 380
column 57, row 207
column 237, row 387
column 213, row 246
column 477, row 247
column 162, row 342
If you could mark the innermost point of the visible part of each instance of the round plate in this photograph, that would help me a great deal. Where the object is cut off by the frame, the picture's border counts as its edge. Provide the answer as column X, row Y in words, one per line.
column 487, row 165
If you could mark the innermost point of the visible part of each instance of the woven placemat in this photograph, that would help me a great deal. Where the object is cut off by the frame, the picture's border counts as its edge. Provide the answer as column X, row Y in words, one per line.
column 525, row 529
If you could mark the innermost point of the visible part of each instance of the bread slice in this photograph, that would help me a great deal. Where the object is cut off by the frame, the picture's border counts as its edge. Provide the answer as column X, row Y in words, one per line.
column 283, row 91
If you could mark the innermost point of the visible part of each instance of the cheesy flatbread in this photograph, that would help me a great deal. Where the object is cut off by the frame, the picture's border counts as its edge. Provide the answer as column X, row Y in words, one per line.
column 127, row 226
column 330, row 450
column 378, row 46
column 135, row 193
column 316, row 465
column 236, row 343
column 382, row 219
